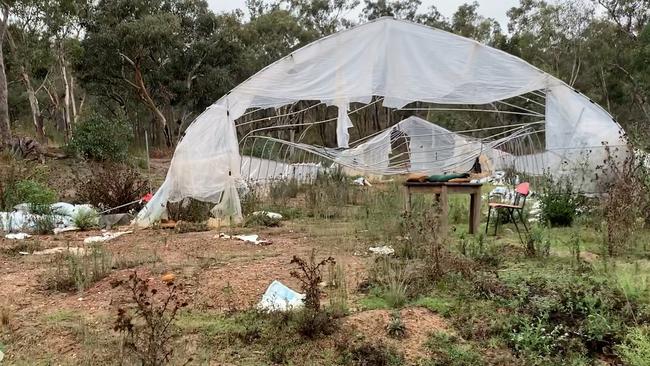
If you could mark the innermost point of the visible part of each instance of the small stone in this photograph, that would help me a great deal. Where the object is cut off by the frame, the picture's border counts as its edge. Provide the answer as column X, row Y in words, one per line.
column 168, row 277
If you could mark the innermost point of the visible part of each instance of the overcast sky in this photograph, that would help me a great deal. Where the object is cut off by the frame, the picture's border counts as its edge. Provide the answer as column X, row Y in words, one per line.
column 490, row 8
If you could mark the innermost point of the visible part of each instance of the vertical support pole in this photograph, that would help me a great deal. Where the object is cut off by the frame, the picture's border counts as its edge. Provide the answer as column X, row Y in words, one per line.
column 407, row 198
column 475, row 211
column 146, row 147
column 444, row 214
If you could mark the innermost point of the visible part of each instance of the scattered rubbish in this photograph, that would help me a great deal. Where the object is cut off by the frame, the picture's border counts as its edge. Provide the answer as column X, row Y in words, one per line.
column 168, row 277
column 2, row 356
column 382, row 250
column 252, row 238
column 72, row 250
column 23, row 253
column 64, row 229
column 500, row 191
column 361, row 181
column 17, row 236
column 106, row 236
column 279, row 297
column 270, row 215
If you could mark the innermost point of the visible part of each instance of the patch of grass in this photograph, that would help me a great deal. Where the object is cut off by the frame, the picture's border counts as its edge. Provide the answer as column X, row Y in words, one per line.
column 449, row 350
column 435, row 304
column 64, row 316
column 366, row 353
column 134, row 258
column 208, row 323
column 635, row 349
column 27, row 246
column 373, row 301
column 74, row 272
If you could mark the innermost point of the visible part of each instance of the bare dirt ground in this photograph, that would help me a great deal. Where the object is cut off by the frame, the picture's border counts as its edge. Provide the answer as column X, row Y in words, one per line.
column 43, row 326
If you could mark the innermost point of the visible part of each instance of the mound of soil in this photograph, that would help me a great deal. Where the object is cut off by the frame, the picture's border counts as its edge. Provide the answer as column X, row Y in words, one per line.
column 419, row 323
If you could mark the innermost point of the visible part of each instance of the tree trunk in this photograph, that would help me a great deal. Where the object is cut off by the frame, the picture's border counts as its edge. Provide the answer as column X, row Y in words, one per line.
column 5, row 128
column 66, row 98
column 72, row 100
column 149, row 102
column 37, row 118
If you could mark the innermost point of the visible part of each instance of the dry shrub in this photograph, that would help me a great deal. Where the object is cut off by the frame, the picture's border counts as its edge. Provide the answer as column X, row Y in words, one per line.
column 113, row 186
column 627, row 198
column 309, row 273
column 149, row 328
column 425, row 237
column 311, row 321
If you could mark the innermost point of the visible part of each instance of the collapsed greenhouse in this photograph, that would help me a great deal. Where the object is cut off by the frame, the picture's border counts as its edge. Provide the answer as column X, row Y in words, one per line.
column 413, row 73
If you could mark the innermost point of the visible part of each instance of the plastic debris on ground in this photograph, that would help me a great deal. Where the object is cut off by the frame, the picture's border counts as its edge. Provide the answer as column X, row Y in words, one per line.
column 57, row 230
column 22, row 219
column 382, row 250
column 17, row 236
column 106, row 236
column 72, row 250
column 361, row 181
column 270, row 215
column 279, row 297
column 501, row 191
column 251, row 238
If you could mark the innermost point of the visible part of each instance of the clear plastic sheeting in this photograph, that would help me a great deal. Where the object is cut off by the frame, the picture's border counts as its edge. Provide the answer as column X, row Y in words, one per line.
column 401, row 62
column 259, row 170
column 279, row 297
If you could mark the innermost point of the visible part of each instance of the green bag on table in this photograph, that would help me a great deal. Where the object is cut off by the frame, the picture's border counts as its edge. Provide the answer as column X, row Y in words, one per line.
column 439, row 178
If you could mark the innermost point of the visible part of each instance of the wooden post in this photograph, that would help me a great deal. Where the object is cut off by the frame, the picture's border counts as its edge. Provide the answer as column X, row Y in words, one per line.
column 475, row 211
column 407, row 199
column 444, row 210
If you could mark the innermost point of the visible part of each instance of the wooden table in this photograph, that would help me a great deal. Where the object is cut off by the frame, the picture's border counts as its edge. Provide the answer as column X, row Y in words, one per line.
column 442, row 190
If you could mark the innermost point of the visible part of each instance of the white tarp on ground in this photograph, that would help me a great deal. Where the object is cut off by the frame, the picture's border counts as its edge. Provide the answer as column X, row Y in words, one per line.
column 22, row 219
column 401, row 61
column 279, row 297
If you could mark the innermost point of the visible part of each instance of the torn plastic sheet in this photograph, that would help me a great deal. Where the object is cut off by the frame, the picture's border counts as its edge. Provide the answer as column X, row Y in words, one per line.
column 72, row 250
column 382, row 250
column 279, row 297
column 270, row 215
column 106, row 236
column 251, row 238
column 17, row 236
